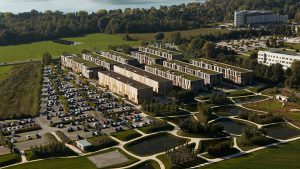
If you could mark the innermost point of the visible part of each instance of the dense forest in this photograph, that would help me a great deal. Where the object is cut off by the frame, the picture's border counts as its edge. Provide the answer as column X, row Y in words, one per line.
column 35, row 26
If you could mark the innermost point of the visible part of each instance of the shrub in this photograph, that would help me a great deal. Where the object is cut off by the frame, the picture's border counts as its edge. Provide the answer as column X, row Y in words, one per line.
column 63, row 137
column 220, row 148
column 157, row 126
column 51, row 150
column 101, row 142
column 9, row 159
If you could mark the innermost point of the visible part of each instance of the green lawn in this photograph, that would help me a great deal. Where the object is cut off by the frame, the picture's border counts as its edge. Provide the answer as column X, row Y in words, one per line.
column 165, row 160
column 147, row 164
column 9, row 159
column 279, row 157
column 4, row 72
column 292, row 45
column 126, row 135
column 184, row 33
column 34, row 51
column 236, row 93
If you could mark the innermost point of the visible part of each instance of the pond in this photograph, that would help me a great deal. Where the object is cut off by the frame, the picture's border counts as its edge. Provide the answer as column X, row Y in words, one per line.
column 154, row 144
column 233, row 126
column 249, row 99
column 282, row 132
column 229, row 110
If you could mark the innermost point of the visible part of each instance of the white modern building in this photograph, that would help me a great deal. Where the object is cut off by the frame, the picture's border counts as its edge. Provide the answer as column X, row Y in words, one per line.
column 253, row 17
column 83, row 144
column 273, row 56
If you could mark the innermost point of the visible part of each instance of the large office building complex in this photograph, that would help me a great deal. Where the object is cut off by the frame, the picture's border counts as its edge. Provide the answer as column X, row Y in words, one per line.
column 159, row 84
column 250, row 17
column 148, row 59
column 231, row 73
column 134, row 91
column 161, row 52
column 183, row 80
column 79, row 65
column 210, row 77
column 273, row 56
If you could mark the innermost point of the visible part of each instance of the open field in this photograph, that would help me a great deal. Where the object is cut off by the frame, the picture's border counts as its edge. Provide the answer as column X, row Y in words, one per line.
column 19, row 92
column 4, row 72
column 34, row 51
column 279, row 157
column 184, row 33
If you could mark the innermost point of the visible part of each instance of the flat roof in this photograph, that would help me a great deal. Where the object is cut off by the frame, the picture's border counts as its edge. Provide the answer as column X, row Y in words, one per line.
column 123, row 55
column 193, row 67
column 164, row 50
column 84, row 143
column 84, row 62
column 175, row 72
column 280, row 51
column 96, row 55
column 223, row 65
column 124, row 79
column 150, row 55
column 143, row 73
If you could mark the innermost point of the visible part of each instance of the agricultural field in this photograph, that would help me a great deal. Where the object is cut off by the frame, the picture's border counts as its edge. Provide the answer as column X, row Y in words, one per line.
column 4, row 72
column 19, row 92
column 184, row 33
column 34, row 51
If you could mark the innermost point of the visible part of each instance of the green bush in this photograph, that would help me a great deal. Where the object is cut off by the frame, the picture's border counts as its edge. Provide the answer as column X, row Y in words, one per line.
column 63, row 137
column 101, row 142
column 9, row 159
column 157, row 126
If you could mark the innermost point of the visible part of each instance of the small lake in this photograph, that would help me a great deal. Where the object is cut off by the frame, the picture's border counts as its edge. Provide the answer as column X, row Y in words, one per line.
column 154, row 144
column 282, row 132
column 232, row 126
column 17, row 6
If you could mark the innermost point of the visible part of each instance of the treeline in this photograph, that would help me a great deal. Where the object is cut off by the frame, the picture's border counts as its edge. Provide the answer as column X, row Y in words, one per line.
column 34, row 26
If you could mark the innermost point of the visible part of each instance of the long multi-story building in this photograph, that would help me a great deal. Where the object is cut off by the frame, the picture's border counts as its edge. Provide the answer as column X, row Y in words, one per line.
column 119, row 57
column 79, row 65
column 99, row 60
column 273, row 56
column 134, row 91
column 251, row 17
column 210, row 77
column 183, row 80
column 159, row 84
column 161, row 52
column 148, row 59
column 231, row 73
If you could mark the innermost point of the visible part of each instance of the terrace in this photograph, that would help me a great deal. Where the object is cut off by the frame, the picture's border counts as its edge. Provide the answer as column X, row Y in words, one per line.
column 164, row 50
column 150, row 55
column 95, row 55
column 193, row 67
column 84, row 62
column 123, row 55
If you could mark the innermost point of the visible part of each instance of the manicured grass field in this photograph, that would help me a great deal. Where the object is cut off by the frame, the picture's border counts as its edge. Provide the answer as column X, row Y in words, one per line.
column 126, row 135
column 19, row 92
column 279, row 157
column 151, row 164
column 4, row 72
column 236, row 93
column 184, row 33
column 34, row 51
column 9, row 159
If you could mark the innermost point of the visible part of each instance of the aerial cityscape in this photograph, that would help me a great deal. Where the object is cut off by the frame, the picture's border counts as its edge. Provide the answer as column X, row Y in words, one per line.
column 156, row 84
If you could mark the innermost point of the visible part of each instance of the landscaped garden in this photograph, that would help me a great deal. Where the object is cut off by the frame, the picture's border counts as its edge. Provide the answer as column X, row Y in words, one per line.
column 153, row 144
column 126, row 135
column 247, row 99
column 282, row 131
column 233, row 126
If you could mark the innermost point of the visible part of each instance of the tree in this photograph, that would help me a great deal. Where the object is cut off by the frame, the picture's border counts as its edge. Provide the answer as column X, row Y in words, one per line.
column 209, row 50
column 176, row 38
column 295, row 78
column 47, row 58
column 159, row 36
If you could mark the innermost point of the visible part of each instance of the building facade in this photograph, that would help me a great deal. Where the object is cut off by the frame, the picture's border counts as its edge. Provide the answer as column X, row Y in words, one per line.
column 99, row 60
column 159, row 84
column 179, row 79
column 273, row 56
column 148, row 59
column 130, row 89
column 231, row 73
column 250, row 17
column 79, row 65
column 161, row 52
column 210, row 77
column 119, row 57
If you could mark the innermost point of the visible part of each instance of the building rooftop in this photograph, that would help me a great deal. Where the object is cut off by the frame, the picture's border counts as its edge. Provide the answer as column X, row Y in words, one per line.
column 164, row 50
column 175, row 72
column 223, row 65
column 150, row 55
column 84, row 62
column 123, row 55
column 84, row 143
column 193, row 67
column 125, row 79
column 99, row 56
column 143, row 73
column 285, row 52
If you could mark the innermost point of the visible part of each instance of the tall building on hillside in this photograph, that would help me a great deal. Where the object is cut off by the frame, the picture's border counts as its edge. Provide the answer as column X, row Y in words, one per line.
column 273, row 56
column 251, row 17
